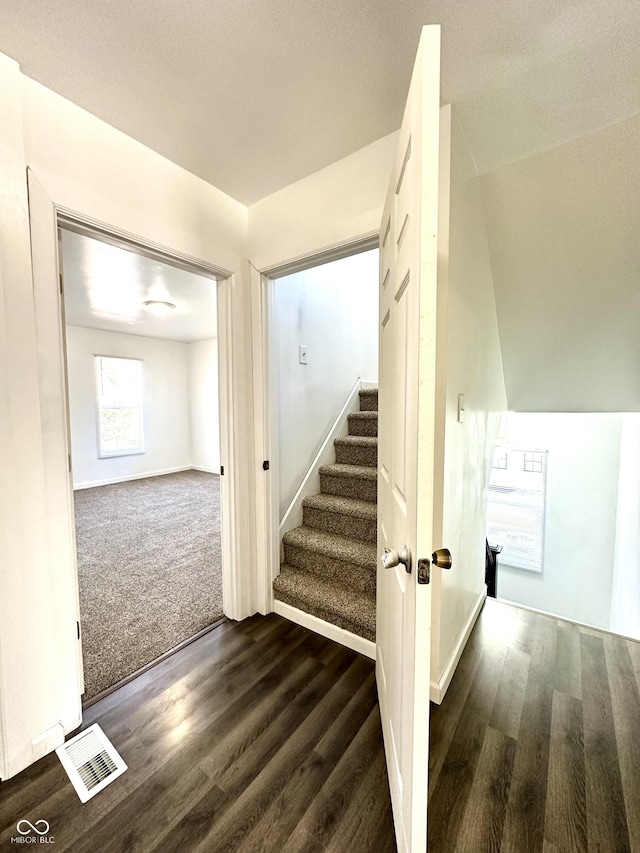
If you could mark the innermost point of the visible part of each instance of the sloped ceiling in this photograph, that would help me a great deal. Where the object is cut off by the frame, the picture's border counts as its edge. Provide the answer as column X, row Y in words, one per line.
column 253, row 95
column 564, row 237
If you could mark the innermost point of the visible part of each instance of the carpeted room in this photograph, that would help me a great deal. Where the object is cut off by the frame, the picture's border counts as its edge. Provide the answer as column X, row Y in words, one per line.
column 144, row 424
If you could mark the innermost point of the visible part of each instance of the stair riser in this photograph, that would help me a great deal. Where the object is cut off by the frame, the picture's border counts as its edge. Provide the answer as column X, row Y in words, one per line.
column 357, row 455
column 357, row 577
column 325, row 613
column 350, row 526
column 363, row 426
column 369, row 402
column 349, row 487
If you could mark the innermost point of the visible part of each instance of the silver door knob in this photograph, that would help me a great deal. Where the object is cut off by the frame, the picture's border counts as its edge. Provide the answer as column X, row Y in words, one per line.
column 442, row 558
column 391, row 557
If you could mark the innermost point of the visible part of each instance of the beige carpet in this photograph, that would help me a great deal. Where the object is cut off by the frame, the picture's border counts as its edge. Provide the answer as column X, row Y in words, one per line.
column 149, row 568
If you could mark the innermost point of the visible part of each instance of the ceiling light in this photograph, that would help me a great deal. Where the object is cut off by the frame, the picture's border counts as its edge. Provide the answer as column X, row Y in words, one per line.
column 158, row 306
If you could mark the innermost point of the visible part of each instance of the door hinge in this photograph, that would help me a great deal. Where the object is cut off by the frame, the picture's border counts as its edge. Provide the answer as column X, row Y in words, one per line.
column 61, row 285
column 78, row 629
column 222, row 470
column 69, row 459
column 424, row 570
column 265, row 465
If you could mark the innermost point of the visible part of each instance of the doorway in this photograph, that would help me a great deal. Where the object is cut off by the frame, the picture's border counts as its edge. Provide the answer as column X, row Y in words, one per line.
column 319, row 348
column 141, row 349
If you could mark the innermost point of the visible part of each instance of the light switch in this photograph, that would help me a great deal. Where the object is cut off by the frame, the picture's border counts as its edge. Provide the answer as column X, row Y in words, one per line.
column 460, row 408
column 302, row 354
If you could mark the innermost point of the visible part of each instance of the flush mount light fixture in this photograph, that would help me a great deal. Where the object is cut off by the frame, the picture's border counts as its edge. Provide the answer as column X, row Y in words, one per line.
column 158, row 306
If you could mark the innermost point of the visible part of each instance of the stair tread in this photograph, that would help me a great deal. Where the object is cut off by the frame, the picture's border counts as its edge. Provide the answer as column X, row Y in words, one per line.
column 344, row 506
column 341, row 548
column 327, row 599
column 358, row 440
column 365, row 416
column 342, row 469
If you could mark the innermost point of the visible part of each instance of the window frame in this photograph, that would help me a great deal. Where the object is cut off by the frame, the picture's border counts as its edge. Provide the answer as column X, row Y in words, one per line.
column 140, row 448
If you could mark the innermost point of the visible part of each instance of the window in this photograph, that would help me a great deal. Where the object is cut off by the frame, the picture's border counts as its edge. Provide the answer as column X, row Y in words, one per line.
column 500, row 458
column 533, row 462
column 119, row 406
column 516, row 507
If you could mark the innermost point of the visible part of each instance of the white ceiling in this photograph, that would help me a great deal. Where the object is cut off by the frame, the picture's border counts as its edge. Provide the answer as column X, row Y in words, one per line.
column 252, row 95
column 105, row 286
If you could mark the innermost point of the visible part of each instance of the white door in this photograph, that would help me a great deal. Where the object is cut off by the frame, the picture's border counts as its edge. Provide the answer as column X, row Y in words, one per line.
column 410, row 440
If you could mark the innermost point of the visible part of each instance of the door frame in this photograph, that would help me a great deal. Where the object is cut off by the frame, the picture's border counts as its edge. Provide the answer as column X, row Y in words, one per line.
column 223, row 280
column 262, row 285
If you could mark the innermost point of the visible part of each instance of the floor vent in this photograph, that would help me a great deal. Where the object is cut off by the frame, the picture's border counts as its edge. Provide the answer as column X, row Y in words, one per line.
column 91, row 762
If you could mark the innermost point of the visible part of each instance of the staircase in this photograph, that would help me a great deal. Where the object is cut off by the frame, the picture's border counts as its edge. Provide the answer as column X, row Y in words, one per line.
column 329, row 567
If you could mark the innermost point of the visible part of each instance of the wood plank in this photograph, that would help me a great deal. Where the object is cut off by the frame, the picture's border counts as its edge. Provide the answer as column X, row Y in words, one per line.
column 625, row 705
column 252, row 798
column 512, row 688
column 568, row 672
column 364, row 823
column 606, row 819
column 524, row 824
column 329, row 807
column 448, row 798
column 289, row 806
column 443, row 720
column 484, row 816
column 566, row 807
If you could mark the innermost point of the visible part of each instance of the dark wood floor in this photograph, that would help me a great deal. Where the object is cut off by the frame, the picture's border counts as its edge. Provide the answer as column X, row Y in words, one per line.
column 536, row 746
column 264, row 737
column 260, row 736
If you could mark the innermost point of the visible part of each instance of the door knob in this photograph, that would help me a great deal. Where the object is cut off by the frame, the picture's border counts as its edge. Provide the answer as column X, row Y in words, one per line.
column 442, row 558
column 391, row 558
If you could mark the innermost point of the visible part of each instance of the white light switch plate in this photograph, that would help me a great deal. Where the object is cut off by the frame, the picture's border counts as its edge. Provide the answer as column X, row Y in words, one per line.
column 302, row 354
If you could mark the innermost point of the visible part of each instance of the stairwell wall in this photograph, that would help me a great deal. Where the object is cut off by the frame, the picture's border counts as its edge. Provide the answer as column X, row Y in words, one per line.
column 333, row 311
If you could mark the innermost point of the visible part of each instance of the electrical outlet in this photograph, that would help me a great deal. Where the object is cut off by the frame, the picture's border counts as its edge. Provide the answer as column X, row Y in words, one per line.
column 302, row 354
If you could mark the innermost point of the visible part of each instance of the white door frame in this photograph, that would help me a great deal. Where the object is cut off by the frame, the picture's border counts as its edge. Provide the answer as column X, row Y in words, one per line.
column 222, row 279
column 262, row 284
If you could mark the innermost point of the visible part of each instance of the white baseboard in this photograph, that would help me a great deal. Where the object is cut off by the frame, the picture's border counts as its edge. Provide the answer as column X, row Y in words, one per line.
column 204, row 470
column 111, row 481
column 326, row 629
column 439, row 688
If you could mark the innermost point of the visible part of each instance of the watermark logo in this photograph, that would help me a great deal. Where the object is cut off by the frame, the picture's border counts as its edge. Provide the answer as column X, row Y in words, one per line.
column 24, row 827
column 33, row 833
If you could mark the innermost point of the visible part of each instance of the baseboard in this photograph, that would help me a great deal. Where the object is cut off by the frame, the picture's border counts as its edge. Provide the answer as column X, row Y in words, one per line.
column 439, row 688
column 326, row 629
column 204, row 470
column 112, row 480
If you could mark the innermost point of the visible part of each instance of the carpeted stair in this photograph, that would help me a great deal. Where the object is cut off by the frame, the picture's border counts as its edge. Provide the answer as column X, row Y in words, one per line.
column 329, row 567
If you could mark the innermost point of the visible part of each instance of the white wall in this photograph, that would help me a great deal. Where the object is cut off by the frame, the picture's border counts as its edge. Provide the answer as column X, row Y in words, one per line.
column 473, row 368
column 204, row 409
column 91, row 168
column 563, row 233
column 33, row 639
column 166, row 420
column 333, row 310
column 581, row 509
column 625, row 582
column 333, row 206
